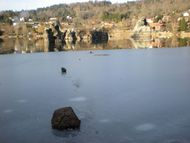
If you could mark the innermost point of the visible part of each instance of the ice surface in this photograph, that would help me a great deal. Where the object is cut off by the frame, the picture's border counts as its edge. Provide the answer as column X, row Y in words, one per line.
column 128, row 96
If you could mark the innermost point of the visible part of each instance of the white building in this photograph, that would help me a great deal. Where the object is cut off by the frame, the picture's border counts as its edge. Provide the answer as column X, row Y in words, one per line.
column 22, row 19
column 14, row 23
column 186, row 14
column 149, row 20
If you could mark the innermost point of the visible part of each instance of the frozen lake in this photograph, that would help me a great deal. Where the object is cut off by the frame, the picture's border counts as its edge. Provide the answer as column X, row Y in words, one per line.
column 121, row 96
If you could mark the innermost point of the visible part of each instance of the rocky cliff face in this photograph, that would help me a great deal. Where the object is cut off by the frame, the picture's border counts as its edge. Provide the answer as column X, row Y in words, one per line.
column 141, row 29
column 119, row 34
column 99, row 36
column 56, row 39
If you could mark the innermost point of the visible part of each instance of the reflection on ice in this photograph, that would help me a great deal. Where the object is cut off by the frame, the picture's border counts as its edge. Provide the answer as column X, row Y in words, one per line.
column 76, row 83
column 78, row 99
column 28, row 45
column 66, row 133
column 145, row 127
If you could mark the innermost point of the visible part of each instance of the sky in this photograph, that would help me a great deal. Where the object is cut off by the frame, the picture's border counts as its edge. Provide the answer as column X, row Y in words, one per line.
column 18, row 5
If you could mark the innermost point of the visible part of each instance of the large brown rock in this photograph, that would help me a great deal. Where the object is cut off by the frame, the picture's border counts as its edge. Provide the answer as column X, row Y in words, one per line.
column 65, row 118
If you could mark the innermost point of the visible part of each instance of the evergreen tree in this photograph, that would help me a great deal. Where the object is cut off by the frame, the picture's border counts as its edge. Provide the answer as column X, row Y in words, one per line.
column 182, row 25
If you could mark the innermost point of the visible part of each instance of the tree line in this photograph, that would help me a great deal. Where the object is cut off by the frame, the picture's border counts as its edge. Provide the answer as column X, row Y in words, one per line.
column 102, row 11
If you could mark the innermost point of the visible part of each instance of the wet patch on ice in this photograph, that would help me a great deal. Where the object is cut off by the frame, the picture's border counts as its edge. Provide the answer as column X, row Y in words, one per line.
column 145, row 127
column 7, row 111
column 175, row 141
column 126, row 139
column 78, row 99
column 101, row 54
column 22, row 101
column 105, row 121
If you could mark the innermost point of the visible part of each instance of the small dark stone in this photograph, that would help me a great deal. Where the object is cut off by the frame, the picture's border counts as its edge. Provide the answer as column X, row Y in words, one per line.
column 65, row 118
column 63, row 70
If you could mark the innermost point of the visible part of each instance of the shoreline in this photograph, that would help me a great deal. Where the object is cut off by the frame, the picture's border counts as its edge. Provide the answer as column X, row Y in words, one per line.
column 117, row 34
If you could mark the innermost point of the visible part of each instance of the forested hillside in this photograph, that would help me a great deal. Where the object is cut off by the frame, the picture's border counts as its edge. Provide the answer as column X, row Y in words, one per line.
column 103, row 10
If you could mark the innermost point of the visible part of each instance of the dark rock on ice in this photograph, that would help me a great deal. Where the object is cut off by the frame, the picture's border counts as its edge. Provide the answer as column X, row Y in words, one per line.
column 63, row 70
column 65, row 118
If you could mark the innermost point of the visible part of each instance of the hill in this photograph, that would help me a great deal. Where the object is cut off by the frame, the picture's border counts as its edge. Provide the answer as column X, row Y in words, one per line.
column 103, row 10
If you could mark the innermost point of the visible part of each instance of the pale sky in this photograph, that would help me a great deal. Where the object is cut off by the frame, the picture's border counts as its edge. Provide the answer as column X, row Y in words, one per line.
column 33, row 4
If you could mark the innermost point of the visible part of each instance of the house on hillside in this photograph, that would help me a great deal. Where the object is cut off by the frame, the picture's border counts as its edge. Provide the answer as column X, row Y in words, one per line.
column 166, row 18
column 185, row 14
column 22, row 19
column 52, row 20
column 14, row 23
column 30, row 20
column 149, row 20
column 69, row 19
column 157, row 26
column 107, row 24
